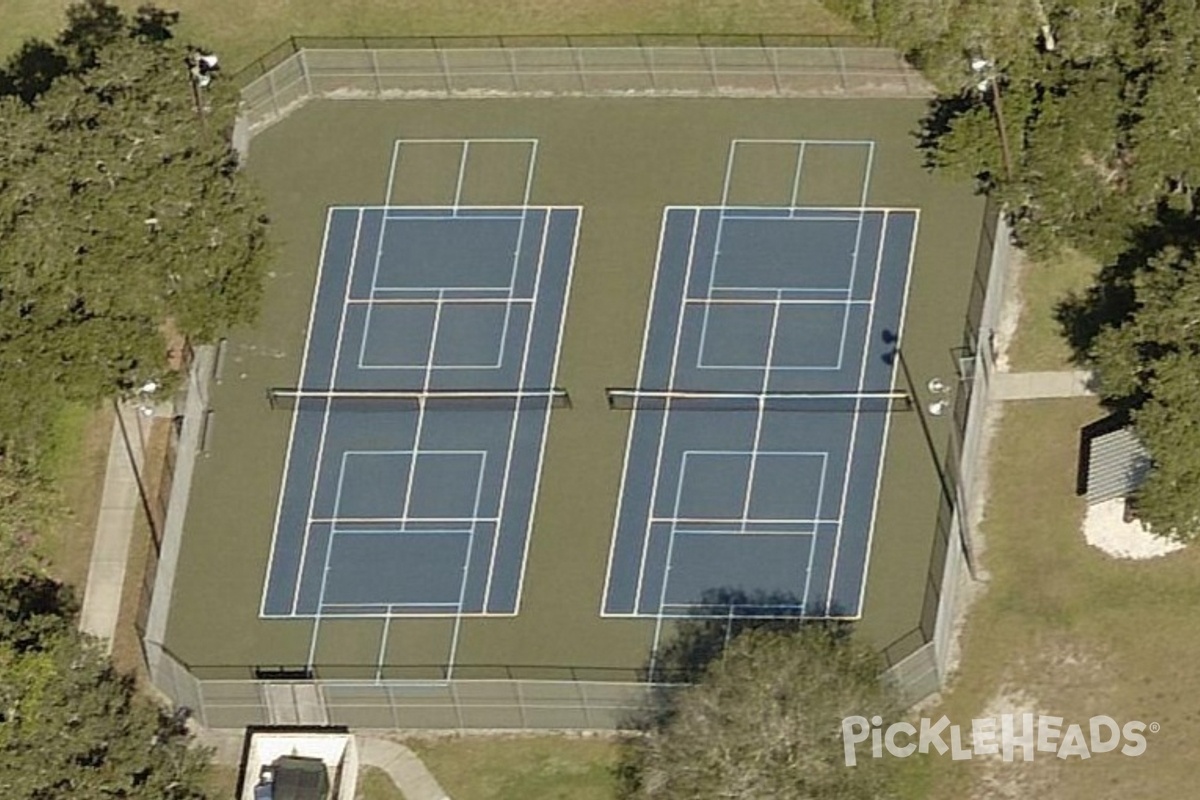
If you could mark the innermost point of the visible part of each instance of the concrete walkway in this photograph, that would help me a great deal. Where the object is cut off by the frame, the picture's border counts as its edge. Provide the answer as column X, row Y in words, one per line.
column 407, row 771
column 1041, row 385
column 119, row 505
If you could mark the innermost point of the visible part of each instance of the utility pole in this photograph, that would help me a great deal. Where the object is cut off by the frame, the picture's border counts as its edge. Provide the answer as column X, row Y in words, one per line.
column 988, row 78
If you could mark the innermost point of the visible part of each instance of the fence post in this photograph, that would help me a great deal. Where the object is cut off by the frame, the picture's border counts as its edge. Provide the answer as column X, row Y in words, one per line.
column 375, row 73
column 302, row 59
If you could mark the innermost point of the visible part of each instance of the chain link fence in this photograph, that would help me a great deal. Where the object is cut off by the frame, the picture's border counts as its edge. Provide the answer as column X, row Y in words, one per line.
column 761, row 68
column 921, row 659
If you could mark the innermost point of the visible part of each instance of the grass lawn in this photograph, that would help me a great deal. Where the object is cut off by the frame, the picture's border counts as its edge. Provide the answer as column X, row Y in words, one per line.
column 241, row 31
column 1039, row 344
column 375, row 784
column 522, row 767
column 1065, row 630
column 78, row 454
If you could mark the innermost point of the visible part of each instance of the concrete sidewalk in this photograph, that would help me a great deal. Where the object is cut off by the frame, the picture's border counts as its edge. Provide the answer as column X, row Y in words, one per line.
column 407, row 771
column 119, row 505
column 1041, row 385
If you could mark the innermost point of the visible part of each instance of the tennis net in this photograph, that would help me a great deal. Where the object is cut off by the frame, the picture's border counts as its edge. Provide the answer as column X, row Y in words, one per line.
column 352, row 400
column 826, row 402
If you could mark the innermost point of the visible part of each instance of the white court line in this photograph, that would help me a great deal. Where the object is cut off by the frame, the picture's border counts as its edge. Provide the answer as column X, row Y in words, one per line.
column 760, row 415
column 417, row 301
column 783, row 301
column 383, row 640
column 851, row 142
column 337, row 353
column 912, row 252
column 316, row 627
column 391, row 179
column 796, row 176
column 666, row 414
column 666, row 576
column 472, row 139
column 537, row 480
column 753, row 520
column 612, row 545
column 287, row 459
column 716, row 250
column 702, row 363
column 819, row 211
column 862, row 199
column 862, row 374
column 466, row 575
column 462, row 173
column 516, row 416
column 497, row 209
column 416, row 451
column 402, row 521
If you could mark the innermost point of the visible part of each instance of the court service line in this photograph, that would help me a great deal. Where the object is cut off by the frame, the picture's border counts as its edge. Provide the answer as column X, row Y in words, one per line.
column 760, row 415
column 328, row 411
column 666, row 415
column 287, row 459
column 516, row 416
column 537, row 479
column 912, row 252
column 783, row 301
column 402, row 521
column 419, row 301
column 850, row 452
column 612, row 545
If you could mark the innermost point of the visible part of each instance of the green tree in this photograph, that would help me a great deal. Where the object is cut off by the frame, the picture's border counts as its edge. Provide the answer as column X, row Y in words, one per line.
column 122, row 213
column 70, row 726
column 1099, row 100
column 764, row 722
column 1149, row 363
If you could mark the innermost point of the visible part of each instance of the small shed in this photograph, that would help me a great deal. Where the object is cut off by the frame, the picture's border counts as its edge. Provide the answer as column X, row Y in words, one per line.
column 1113, row 462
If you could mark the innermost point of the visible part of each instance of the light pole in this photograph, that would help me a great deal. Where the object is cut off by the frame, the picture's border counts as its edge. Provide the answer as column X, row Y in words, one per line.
column 952, row 490
column 987, row 77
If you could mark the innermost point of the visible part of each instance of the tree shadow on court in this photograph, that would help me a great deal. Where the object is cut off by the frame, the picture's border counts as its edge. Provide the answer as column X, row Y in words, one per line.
column 694, row 644
column 1110, row 300
column 939, row 120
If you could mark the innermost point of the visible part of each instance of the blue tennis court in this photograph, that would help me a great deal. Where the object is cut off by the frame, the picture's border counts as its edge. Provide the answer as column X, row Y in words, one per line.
column 731, row 502
column 394, row 502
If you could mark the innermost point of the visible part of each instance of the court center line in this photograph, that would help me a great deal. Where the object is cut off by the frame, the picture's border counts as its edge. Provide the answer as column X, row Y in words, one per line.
column 760, row 415
column 416, row 448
